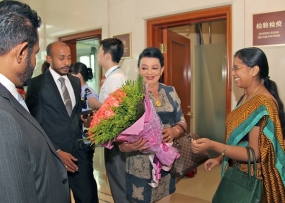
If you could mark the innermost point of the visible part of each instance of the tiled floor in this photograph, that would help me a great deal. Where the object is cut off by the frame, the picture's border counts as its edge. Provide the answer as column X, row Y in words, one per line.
column 199, row 189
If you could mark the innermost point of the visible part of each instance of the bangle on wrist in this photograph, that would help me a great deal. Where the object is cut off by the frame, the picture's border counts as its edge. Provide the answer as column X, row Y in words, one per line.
column 120, row 148
column 177, row 130
column 223, row 152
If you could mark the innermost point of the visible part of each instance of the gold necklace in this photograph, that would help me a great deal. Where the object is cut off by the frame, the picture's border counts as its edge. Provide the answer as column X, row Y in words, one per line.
column 158, row 102
column 247, row 98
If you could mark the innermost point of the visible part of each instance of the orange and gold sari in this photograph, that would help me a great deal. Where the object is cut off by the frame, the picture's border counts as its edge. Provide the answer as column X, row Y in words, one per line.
column 271, row 168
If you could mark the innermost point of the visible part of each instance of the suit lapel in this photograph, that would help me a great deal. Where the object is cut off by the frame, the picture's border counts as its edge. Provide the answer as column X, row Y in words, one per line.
column 14, row 102
column 77, row 91
column 18, row 107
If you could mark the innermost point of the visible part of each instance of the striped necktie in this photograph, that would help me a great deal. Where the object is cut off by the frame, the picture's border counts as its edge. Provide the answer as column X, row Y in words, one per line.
column 66, row 96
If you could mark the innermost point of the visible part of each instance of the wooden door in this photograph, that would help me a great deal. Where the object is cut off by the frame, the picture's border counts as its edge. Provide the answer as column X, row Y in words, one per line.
column 155, row 27
column 71, row 40
column 177, row 68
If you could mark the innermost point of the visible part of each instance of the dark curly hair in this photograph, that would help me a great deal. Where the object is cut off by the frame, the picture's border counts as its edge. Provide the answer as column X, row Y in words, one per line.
column 18, row 24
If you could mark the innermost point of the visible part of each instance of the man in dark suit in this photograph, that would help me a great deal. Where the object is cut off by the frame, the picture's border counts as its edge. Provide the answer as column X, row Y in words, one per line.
column 53, row 99
column 31, row 171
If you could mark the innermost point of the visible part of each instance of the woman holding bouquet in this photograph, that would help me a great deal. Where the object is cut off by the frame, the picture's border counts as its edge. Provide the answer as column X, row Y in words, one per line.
column 167, row 105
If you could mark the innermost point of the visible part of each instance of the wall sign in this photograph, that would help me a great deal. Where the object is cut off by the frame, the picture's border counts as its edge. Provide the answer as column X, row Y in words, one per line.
column 126, row 39
column 269, row 28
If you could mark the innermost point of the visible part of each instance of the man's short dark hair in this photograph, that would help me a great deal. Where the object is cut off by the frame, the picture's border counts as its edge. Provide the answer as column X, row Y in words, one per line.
column 113, row 46
column 18, row 24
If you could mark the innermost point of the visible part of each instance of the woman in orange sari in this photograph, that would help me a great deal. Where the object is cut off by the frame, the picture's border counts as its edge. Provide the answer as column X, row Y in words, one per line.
column 258, row 121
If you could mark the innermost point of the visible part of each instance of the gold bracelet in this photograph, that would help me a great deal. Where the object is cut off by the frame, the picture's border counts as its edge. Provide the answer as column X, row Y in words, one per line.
column 177, row 130
column 223, row 152
column 120, row 148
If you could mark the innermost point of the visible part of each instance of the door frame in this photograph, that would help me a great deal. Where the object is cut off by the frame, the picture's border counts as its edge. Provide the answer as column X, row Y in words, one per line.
column 171, row 40
column 156, row 25
column 71, row 40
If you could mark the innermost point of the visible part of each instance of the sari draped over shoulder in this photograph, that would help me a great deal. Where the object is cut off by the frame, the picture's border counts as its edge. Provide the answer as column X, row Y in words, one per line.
column 271, row 168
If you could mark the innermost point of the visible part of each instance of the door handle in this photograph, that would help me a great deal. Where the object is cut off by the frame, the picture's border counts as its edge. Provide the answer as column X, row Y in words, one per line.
column 189, row 114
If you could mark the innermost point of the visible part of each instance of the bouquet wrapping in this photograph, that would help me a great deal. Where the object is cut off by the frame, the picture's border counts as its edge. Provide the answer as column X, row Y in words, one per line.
column 128, row 115
column 149, row 127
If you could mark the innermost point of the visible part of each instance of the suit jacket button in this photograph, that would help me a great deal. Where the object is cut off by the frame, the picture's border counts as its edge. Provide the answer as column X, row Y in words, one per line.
column 64, row 181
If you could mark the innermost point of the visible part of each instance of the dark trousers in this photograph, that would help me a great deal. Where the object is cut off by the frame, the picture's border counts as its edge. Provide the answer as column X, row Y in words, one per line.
column 115, row 162
column 82, row 182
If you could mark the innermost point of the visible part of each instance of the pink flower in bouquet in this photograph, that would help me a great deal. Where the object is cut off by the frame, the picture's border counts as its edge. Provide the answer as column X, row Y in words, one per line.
column 103, row 113
column 106, row 111
column 120, row 94
column 115, row 98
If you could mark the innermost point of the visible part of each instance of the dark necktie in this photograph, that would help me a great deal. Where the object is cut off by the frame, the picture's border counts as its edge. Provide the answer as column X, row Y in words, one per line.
column 66, row 96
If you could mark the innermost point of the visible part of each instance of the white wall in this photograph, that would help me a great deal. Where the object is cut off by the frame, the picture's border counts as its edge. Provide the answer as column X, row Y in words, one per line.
column 123, row 16
column 275, row 54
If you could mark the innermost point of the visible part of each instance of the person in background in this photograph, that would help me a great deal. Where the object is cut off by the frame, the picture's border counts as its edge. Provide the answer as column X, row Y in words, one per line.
column 89, row 97
column 258, row 121
column 167, row 105
column 45, row 66
column 54, row 100
column 109, row 55
column 31, row 170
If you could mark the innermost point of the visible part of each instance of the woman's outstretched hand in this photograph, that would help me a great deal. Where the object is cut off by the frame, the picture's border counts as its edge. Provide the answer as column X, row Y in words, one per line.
column 211, row 163
column 201, row 145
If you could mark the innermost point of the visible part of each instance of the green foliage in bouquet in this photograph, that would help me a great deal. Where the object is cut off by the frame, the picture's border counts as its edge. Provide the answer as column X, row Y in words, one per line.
column 120, row 110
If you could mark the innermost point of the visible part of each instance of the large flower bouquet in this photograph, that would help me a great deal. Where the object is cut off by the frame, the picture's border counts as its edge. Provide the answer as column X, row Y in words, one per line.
column 120, row 110
column 128, row 115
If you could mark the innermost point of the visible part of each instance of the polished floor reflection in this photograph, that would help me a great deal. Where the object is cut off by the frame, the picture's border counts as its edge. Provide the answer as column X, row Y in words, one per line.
column 199, row 189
